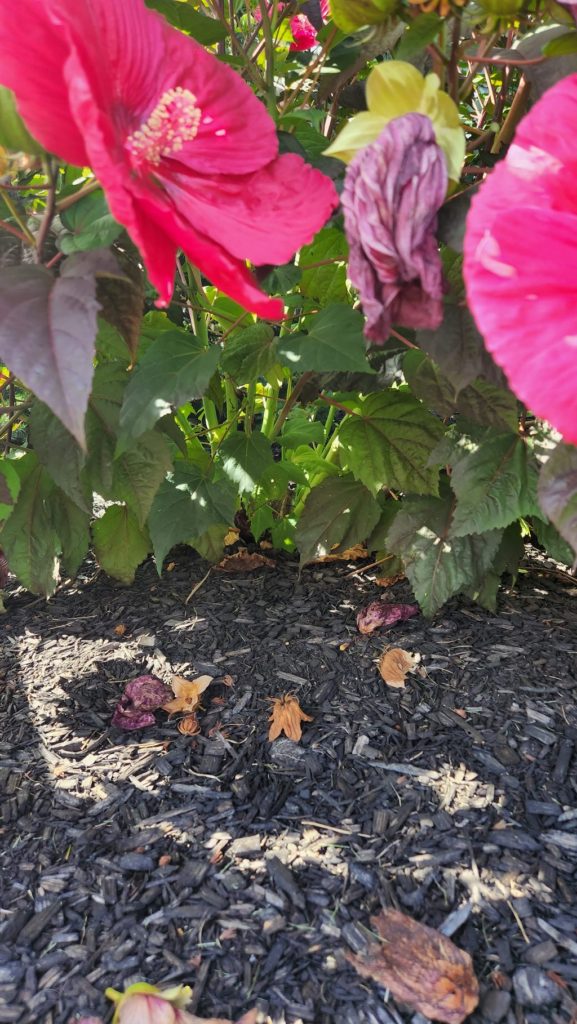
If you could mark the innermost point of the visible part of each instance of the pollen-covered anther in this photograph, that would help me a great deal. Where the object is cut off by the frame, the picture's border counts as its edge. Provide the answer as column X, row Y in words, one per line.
column 173, row 122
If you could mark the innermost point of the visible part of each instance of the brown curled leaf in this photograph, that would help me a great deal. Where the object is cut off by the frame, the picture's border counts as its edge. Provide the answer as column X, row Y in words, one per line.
column 188, row 725
column 394, row 664
column 242, row 561
column 420, row 967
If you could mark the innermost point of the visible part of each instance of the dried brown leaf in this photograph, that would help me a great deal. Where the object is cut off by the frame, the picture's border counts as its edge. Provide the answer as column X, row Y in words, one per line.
column 242, row 561
column 120, row 630
column 188, row 725
column 286, row 716
column 231, row 537
column 389, row 581
column 186, row 693
column 421, row 968
column 354, row 554
column 394, row 664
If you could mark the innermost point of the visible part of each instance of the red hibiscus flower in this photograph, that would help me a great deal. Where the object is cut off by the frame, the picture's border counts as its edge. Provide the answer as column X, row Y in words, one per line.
column 186, row 154
column 521, row 259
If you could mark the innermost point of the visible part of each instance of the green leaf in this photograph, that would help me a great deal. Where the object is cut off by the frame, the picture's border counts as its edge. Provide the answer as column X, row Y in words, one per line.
column 244, row 458
column 72, row 526
column 313, row 465
column 89, row 224
column 299, row 429
column 175, row 369
column 335, row 342
column 120, row 543
column 558, row 491
column 210, row 544
column 509, row 554
column 389, row 444
column 439, row 566
column 493, row 406
column 428, row 383
column 183, row 16
column 250, row 353
column 419, row 34
column 60, row 454
column 378, row 538
column 276, row 480
column 561, row 46
column 28, row 539
column 262, row 519
column 186, row 505
column 339, row 513
column 9, row 487
column 458, row 349
column 133, row 476
column 110, row 345
column 550, row 538
column 326, row 283
column 495, row 484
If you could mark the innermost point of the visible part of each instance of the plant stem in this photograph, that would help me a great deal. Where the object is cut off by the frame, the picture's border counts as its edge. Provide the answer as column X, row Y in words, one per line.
column 28, row 236
column 49, row 211
column 291, row 401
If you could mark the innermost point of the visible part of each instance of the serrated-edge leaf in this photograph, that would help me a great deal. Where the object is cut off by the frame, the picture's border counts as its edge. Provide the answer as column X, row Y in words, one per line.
column 558, row 491
column 495, row 484
column 390, row 444
column 335, row 341
column 120, row 543
column 28, row 538
column 245, row 458
column 186, row 505
column 338, row 513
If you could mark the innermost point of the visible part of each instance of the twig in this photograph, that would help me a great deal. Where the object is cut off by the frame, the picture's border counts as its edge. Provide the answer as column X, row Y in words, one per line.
column 291, row 402
column 198, row 585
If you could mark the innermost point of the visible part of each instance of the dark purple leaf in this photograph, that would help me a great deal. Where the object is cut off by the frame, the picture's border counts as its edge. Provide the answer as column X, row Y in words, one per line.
column 47, row 331
column 382, row 613
column 558, row 491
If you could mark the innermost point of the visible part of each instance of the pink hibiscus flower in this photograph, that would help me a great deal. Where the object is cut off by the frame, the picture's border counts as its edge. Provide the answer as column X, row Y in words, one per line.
column 303, row 32
column 186, row 154
column 521, row 259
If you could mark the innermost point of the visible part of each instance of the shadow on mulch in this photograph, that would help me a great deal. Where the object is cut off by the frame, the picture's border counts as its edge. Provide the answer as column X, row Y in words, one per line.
column 245, row 868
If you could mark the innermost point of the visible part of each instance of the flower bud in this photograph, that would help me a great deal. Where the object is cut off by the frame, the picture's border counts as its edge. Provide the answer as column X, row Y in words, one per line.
column 349, row 15
column 14, row 135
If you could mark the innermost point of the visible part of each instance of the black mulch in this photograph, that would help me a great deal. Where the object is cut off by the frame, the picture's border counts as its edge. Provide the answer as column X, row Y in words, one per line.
column 245, row 868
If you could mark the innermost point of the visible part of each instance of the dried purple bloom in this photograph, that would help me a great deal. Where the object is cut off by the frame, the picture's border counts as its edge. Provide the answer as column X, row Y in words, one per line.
column 381, row 613
column 393, row 191
column 142, row 696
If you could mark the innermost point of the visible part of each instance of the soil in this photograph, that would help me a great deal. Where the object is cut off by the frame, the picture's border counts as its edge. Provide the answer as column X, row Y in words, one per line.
column 246, row 868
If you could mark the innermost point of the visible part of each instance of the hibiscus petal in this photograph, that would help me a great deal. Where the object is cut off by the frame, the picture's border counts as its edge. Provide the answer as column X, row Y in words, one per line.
column 264, row 217
column 32, row 35
column 519, row 260
column 524, row 303
column 131, row 57
column 361, row 130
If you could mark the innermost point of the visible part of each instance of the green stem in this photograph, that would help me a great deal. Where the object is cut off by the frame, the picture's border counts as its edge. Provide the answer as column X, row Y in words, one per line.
column 270, row 404
column 292, row 399
column 329, row 422
column 28, row 236
column 231, row 399
column 249, row 407
column 269, row 51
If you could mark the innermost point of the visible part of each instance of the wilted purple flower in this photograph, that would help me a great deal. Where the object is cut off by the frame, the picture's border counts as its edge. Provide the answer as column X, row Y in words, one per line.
column 393, row 191
column 381, row 613
column 142, row 696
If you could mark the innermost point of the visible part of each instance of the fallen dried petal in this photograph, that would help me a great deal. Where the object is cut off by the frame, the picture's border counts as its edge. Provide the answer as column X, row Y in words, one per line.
column 354, row 554
column 120, row 630
column 188, row 725
column 389, row 581
column 286, row 716
column 186, row 693
column 421, row 968
column 142, row 696
column 382, row 613
column 146, row 692
column 242, row 561
column 394, row 664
